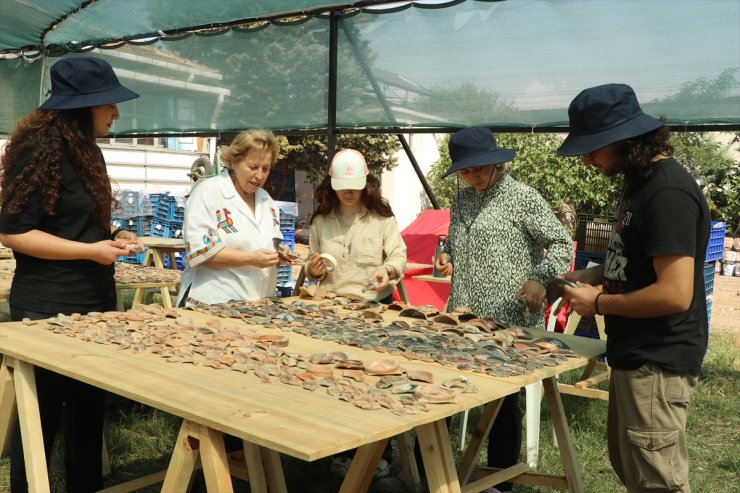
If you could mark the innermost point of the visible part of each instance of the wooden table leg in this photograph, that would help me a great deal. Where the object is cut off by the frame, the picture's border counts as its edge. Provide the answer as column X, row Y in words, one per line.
column 183, row 460
column 364, row 463
column 477, row 441
column 166, row 298
column 8, row 413
column 215, row 462
column 562, row 433
column 439, row 460
column 138, row 297
column 273, row 471
column 30, row 420
column 409, row 466
column 255, row 469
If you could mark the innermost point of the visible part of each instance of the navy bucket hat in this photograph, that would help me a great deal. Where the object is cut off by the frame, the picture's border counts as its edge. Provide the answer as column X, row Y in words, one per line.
column 473, row 147
column 82, row 82
column 602, row 115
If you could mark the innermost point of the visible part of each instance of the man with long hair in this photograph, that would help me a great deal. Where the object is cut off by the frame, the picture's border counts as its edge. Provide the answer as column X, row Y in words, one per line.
column 653, row 298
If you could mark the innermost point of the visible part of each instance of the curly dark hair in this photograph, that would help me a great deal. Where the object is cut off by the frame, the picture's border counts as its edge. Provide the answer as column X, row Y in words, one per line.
column 45, row 136
column 371, row 198
column 636, row 153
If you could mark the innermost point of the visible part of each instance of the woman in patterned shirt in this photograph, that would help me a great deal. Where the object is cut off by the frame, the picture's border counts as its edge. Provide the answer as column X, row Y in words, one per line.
column 495, row 253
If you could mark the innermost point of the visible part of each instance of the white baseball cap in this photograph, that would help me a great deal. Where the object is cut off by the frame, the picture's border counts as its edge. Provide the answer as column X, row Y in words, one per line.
column 348, row 170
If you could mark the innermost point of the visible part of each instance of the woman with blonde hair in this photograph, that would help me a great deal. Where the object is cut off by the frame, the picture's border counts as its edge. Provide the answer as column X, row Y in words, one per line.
column 230, row 225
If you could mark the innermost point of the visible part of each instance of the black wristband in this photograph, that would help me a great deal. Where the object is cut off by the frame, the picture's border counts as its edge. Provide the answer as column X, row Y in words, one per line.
column 596, row 304
column 115, row 232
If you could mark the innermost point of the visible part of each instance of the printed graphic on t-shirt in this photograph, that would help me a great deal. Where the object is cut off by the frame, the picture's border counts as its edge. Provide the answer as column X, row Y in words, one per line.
column 224, row 222
column 275, row 219
column 616, row 262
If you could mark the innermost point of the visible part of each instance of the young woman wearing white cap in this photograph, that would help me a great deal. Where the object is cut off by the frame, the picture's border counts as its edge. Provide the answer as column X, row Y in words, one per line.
column 356, row 226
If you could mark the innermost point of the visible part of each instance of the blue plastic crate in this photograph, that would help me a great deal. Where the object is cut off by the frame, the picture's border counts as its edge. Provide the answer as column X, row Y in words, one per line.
column 165, row 229
column 582, row 259
column 283, row 291
column 709, row 308
column 716, row 244
column 289, row 239
column 133, row 259
column 179, row 261
column 287, row 221
column 284, row 274
column 709, row 271
column 118, row 222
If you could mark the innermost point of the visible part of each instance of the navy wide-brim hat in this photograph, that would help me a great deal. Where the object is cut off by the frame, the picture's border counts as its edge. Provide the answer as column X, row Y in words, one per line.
column 474, row 147
column 82, row 82
column 602, row 115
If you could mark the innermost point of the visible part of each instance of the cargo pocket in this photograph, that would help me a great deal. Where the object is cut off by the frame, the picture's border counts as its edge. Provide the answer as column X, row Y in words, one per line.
column 653, row 452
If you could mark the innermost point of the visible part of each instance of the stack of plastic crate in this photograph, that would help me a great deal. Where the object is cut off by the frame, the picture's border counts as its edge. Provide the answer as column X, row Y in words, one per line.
column 288, row 213
column 134, row 214
column 715, row 250
column 168, row 217
column 592, row 235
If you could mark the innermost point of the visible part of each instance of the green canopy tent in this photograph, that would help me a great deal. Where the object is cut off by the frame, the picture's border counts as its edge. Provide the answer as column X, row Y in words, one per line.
column 373, row 66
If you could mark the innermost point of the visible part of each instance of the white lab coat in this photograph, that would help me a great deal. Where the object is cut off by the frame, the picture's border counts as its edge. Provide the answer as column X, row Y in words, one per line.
column 217, row 217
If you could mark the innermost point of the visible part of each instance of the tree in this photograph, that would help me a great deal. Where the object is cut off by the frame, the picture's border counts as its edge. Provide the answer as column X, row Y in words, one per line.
column 714, row 168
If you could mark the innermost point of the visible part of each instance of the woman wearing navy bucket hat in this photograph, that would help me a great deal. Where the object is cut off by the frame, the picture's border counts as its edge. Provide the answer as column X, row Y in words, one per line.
column 56, row 202
column 653, row 298
column 499, row 232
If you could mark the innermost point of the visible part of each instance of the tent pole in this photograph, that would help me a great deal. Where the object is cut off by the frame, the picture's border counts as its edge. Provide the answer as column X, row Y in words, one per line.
column 419, row 174
column 44, row 61
column 331, row 119
column 389, row 113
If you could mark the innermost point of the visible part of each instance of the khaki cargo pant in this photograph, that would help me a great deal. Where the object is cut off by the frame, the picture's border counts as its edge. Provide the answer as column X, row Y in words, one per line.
column 647, row 428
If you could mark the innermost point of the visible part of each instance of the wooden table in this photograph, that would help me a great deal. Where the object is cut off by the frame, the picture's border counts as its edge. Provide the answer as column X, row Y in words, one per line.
column 159, row 248
column 139, row 287
column 270, row 418
column 431, row 278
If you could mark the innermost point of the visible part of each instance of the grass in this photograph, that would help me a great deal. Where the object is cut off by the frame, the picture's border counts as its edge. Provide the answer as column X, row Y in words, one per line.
column 140, row 439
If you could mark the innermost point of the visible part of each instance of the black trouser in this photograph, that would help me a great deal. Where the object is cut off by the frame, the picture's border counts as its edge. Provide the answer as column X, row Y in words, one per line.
column 78, row 407
column 505, row 439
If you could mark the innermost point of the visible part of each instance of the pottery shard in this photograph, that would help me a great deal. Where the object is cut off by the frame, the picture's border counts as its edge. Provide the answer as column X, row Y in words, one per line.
column 320, row 370
column 274, row 339
column 356, row 375
column 420, row 376
column 434, row 394
column 382, row 367
column 177, row 342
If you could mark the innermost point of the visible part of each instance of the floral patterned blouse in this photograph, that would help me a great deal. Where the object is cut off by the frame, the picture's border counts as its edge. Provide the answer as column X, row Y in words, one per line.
column 496, row 242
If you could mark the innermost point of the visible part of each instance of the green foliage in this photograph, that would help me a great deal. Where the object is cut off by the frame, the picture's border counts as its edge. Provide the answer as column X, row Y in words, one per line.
column 565, row 182
column 309, row 154
column 716, row 171
column 562, row 181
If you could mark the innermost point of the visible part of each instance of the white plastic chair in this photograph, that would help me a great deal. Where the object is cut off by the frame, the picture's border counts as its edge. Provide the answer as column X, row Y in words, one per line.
column 533, row 405
column 534, row 401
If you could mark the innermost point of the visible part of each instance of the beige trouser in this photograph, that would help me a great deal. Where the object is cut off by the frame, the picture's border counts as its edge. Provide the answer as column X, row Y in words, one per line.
column 647, row 428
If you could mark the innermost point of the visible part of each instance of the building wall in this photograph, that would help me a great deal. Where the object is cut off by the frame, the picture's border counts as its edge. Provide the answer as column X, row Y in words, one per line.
column 401, row 186
column 133, row 167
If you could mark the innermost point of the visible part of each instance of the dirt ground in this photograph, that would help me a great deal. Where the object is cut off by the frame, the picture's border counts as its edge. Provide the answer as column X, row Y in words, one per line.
column 725, row 315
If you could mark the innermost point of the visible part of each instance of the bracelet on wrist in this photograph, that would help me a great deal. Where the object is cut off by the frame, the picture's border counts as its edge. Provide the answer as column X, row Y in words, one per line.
column 116, row 232
column 596, row 304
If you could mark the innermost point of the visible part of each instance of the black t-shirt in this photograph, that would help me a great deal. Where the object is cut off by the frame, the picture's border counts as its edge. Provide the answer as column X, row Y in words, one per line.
column 665, row 215
column 60, row 286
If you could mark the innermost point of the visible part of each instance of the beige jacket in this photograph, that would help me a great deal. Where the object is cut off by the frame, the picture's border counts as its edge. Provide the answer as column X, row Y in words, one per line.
column 371, row 242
